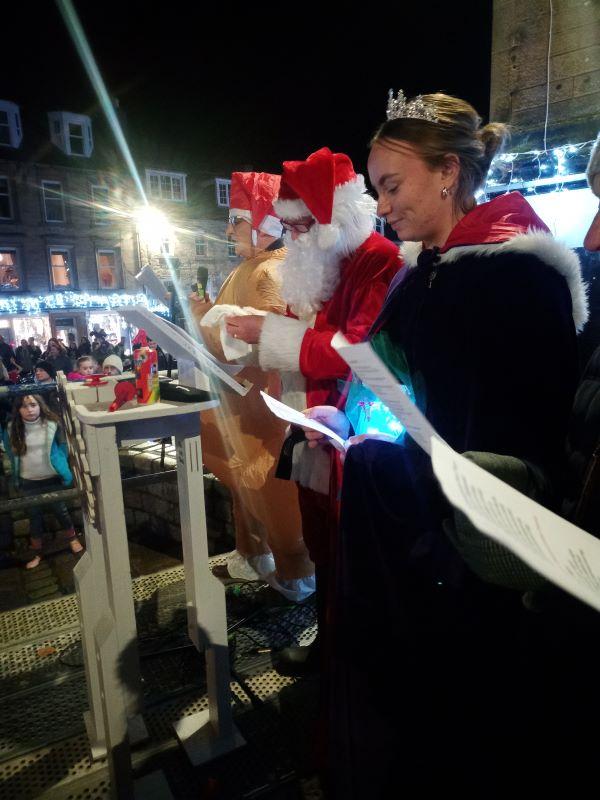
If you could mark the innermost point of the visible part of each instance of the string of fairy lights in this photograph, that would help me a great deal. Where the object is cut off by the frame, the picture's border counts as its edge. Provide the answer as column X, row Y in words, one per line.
column 36, row 304
column 532, row 171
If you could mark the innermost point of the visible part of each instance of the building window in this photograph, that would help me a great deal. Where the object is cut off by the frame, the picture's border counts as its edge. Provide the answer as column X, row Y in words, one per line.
column 166, row 185
column 10, row 124
column 5, row 203
column 71, row 133
column 380, row 225
column 62, row 273
column 100, row 213
column 231, row 249
column 10, row 272
column 108, row 271
column 201, row 246
column 223, row 187
column 165, row 247
column 54, row 206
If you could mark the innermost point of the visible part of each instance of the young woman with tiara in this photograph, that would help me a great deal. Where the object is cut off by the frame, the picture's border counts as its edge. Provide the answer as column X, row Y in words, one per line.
column 480, row 328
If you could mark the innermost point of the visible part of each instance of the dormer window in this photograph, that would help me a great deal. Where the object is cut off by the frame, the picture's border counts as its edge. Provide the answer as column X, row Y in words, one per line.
column 166, row 185
column 71, row 133
column 222, row 186
column 10, row 124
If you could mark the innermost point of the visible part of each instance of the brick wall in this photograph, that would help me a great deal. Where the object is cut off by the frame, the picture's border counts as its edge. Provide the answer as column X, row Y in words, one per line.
column 519, row 63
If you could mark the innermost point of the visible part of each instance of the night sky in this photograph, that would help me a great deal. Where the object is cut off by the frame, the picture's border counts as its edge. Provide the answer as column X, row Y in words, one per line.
column 252, row 88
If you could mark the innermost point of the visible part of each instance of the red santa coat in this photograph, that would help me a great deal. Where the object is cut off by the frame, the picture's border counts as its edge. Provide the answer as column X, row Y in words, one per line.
column 292, row 345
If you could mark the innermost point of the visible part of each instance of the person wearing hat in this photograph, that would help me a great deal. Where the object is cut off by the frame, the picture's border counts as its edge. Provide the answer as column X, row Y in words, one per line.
column 44, row 372
column 335, row 277
column 241, row 440
column 112, row 365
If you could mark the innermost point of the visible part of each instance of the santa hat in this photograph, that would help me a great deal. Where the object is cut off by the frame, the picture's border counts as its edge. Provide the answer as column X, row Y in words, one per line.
column 251, row 197
column 316, row 187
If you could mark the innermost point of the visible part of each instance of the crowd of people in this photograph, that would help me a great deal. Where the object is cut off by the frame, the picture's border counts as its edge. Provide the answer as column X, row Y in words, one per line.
column 28, row 362
column 32, row 434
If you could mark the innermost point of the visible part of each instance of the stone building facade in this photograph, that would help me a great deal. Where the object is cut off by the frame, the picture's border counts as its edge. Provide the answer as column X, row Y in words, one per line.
column 70, row 239
column 527, row 36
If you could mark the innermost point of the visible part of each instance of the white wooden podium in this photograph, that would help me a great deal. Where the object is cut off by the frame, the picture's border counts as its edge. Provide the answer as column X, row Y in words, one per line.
column 114, row 720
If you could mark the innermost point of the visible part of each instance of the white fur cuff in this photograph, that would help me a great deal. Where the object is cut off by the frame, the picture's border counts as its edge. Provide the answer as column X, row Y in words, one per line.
column 280, row 343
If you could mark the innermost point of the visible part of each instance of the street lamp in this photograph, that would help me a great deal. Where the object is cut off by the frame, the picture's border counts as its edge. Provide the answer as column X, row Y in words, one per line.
column 153, row 228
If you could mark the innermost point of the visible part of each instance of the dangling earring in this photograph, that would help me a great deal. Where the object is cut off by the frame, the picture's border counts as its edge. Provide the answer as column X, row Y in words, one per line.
column 445, row 192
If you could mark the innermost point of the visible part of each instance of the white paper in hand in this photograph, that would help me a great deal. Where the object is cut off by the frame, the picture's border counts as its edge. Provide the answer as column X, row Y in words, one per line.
column 560, row 551
column 367, row 365
column 294, row 417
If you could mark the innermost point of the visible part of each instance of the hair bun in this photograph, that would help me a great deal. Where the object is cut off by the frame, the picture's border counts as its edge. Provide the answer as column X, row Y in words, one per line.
column 494, row 136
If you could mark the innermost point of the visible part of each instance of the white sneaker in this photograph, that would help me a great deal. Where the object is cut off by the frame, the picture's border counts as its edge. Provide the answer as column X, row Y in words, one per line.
column 295, row 590
column 256, row 568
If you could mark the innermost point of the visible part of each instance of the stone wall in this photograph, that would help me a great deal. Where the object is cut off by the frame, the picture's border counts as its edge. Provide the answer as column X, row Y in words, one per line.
column 29, row 232
column 155, row 506
column 519, row 67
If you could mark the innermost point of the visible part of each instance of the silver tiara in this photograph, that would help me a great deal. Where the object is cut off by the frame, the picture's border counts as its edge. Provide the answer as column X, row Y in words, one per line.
column 417, row 109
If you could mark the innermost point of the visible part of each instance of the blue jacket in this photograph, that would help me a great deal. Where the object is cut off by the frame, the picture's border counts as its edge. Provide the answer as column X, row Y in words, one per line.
column 58, row 453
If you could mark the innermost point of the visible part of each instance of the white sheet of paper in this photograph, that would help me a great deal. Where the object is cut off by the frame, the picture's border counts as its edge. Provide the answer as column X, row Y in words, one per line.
column 294, row 417
column 365, row 363
column 181, row 345
column 560, row 551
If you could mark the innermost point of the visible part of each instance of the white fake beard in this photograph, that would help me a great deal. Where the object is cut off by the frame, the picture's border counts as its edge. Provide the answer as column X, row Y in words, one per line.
column 309, row 274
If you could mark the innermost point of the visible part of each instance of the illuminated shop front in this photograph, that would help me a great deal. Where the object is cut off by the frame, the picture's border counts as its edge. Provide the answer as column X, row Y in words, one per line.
column 58, row 314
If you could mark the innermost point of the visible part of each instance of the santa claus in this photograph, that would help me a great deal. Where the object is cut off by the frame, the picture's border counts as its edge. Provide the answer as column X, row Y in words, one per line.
column 334, row 277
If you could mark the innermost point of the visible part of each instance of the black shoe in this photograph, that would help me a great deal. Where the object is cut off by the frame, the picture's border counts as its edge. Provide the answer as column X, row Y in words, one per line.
column 299, row 661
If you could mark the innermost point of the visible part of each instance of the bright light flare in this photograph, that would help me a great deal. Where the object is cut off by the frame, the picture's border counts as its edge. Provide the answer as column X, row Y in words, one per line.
column 153, row 227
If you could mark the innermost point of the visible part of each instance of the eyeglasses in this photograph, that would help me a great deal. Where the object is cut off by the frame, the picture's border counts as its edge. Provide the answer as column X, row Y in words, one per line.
column 236, row 219
column 302, row 226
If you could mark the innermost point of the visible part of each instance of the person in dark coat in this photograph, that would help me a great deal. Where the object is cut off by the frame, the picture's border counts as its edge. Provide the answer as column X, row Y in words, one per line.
column 34, row 350
column 23, row 356
column 480, row 327
column 7, row 354
column 56, row 354
column 85, row 348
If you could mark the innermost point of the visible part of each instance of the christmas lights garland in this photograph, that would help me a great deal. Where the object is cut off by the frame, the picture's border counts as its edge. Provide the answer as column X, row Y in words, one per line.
column 532, row 169
column 57, row 301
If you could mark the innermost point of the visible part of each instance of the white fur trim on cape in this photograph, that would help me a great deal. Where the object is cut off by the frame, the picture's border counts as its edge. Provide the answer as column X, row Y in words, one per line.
column 280, row 342
column 536, row 243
